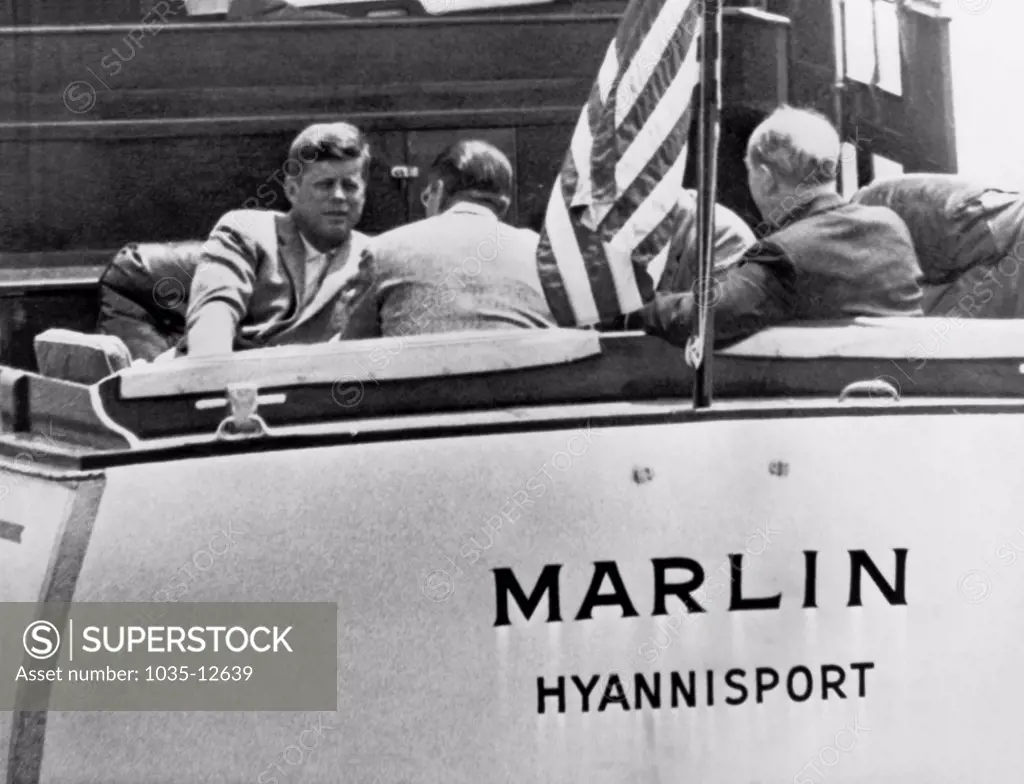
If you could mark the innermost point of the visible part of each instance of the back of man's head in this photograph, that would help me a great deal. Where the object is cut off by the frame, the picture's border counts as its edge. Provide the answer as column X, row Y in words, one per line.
column 474, row 170
column 339, row 141
column 799, row 146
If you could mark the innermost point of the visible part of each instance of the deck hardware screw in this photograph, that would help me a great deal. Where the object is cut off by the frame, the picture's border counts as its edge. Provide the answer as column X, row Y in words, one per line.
column 642, row 475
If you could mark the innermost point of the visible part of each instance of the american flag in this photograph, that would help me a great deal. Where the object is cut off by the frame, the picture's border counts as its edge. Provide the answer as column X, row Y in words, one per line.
column 615, row 204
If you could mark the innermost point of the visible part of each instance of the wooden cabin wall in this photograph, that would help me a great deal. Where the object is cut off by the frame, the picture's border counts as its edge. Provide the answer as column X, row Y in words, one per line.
column 913, row 127
column 106, row 140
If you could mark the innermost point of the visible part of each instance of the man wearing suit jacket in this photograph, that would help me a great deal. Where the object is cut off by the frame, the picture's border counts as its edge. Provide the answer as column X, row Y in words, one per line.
column 732, row 238
column 969, row 240
column 267, row 278
column 460, row 268
column 824, row 258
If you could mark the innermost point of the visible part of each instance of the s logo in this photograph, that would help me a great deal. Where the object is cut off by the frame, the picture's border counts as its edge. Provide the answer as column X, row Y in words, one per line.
column 41, row 639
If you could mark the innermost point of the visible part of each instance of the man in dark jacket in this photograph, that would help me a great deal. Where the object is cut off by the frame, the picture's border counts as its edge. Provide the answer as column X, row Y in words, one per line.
column 821, row 258
column 969, row 239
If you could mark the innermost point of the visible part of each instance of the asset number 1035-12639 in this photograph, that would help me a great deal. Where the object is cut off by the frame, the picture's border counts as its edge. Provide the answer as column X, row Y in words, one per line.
column 208, row 673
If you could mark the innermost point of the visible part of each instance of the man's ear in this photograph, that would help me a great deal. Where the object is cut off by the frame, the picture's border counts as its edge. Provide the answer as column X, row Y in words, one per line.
column 291, row 189
column 771, row 181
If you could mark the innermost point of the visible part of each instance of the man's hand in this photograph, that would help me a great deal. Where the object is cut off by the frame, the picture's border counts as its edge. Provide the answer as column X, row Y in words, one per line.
column 214, row 331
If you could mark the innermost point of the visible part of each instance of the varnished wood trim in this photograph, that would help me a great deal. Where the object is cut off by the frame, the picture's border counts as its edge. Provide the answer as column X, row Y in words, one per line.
column 567, row 421
column 224, row 126
column 339, row 24
column 525, row 16
column 44, row 271
column 412, row 357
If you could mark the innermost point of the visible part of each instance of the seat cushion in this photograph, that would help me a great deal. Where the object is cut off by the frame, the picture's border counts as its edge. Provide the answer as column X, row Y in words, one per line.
column 79, row 357
column 273, row 10
column 144, row 294
column 122, row 318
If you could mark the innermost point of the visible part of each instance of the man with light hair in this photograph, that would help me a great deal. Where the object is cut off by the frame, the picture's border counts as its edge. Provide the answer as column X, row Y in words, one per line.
column 821, row 258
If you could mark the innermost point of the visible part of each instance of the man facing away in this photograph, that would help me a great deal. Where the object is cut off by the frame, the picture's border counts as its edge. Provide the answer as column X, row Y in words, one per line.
column 824, row 258
column 267, row 278
column 732, row 238
column 461, row 267
column 969, row 239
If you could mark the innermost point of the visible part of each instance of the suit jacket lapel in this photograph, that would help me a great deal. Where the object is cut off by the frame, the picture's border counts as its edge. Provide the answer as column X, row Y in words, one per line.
column 342, row 267
column 293, row 258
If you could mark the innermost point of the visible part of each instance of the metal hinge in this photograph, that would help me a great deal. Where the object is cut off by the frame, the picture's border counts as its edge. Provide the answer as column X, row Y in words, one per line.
column 405, row 172
column 243, row 422
column 883, row 387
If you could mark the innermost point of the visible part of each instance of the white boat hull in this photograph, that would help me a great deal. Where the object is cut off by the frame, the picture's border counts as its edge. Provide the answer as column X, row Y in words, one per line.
column 431, row 691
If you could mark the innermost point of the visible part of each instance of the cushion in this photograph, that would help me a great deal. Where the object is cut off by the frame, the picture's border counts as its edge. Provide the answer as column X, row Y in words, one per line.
column 80, row 357
column 144, row 294
column 273, row 10
column 890, row 337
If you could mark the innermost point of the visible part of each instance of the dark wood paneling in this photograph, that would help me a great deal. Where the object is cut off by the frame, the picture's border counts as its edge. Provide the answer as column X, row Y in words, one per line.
column 163, row 152
column 540, row 152
column 915, row 128
column 43, row 12
column 213, row 71
column 23, row 317
column 386, row 196
column 179, row 127
column 755, row 68
column 164, row 189
column 754, row 84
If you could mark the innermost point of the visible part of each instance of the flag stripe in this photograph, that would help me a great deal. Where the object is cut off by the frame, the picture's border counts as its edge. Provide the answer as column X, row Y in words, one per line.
column 659, row 262
column 662, row 199
column 680, row 44
column 668, row 38
column 660, row 126
column 566, row 302
column 669, row 160
column 615, row 207
column 619, row 263
column 637, row 22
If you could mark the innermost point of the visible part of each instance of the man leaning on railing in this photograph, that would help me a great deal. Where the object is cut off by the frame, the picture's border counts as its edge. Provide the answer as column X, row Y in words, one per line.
column 822, row 259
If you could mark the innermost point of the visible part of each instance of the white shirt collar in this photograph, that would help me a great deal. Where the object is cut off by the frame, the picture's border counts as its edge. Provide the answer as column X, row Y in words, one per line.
column 311, row 252
column 471, row 208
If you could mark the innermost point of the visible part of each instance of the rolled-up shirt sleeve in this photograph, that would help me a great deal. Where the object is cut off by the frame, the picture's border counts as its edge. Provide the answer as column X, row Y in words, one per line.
column 755, row 293
column 227, row 270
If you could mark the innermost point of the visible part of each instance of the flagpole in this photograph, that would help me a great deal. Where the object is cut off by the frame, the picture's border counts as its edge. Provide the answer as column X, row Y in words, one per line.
column 707, row 170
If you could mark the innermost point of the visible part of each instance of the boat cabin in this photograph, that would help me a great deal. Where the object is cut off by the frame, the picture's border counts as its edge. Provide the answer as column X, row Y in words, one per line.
column 121, row 127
